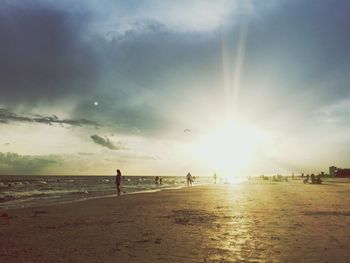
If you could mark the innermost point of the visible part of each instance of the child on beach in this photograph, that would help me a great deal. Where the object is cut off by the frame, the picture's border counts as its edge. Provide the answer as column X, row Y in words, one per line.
column 118, row 179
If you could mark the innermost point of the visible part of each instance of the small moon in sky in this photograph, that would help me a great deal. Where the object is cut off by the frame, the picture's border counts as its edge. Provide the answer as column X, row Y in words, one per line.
column 96, row 103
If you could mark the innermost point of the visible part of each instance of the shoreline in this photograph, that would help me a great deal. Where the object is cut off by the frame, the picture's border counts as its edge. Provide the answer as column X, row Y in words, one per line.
column 21, row 192
column 53, row 203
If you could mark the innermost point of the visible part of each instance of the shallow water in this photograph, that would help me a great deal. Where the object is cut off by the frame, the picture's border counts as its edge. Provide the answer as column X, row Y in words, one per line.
column 24, row 191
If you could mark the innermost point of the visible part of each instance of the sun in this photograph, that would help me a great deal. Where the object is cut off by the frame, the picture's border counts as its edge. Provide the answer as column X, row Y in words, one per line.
column 230, row 149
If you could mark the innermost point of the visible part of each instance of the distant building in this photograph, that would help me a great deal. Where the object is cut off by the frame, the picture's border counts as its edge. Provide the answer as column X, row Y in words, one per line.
column 339, row 172
column 343, row 173
column 332, row 171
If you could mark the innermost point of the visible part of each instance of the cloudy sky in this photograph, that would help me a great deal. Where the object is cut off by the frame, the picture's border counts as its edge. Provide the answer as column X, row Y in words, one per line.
column 161, row 87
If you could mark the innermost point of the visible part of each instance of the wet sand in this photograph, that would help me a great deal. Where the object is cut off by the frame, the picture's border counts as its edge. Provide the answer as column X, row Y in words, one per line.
column 255, row 221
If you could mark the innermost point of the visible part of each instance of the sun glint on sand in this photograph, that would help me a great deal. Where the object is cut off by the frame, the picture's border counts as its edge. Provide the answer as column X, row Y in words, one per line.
column 252, row 222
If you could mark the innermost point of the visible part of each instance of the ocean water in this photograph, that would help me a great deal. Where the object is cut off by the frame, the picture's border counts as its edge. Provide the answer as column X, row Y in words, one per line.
column 25, row 191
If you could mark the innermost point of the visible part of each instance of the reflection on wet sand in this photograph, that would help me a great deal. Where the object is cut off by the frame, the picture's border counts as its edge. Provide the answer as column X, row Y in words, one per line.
column 269, row 222
column 254, row 221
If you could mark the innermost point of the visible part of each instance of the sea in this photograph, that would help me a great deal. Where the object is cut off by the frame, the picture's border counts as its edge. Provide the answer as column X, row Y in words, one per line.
column 31, row 191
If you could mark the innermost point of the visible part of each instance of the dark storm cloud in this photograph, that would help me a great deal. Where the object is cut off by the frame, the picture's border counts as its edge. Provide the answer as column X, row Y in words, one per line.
column 299, row 56
column 42, row 54
column 139, row 74
column 49, row 54
column 296, row 61
column 7, row 117
column 301, row 44
column 105, row 142
column 149, row 69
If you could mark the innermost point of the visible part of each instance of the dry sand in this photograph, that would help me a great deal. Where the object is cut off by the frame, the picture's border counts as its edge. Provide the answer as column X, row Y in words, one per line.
column 254, row 221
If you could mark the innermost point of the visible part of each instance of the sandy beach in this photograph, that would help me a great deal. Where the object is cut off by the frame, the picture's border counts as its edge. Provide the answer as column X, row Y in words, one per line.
column 253, row 221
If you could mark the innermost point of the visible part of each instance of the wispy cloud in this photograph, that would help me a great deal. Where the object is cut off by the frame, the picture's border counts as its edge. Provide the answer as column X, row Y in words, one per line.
column 7, row 117
column 105, row 142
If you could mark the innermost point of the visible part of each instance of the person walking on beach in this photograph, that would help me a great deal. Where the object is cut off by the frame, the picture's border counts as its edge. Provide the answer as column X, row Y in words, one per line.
column 118, row 180
column 189, row 179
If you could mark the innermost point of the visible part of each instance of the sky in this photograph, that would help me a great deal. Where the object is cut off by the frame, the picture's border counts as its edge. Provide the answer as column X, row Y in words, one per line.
column 157, row 87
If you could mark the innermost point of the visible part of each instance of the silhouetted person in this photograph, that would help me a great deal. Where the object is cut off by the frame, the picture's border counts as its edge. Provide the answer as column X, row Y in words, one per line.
column 118, row 180
column 157, row 180
column 215, row 178
column 318, row 179
column 313, row 180
column 189, row 179
column 160, row 180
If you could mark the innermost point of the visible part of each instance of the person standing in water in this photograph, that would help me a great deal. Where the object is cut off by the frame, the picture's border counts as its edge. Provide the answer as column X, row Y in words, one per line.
column 189, row 179
column 215, row 178
column 118, row 180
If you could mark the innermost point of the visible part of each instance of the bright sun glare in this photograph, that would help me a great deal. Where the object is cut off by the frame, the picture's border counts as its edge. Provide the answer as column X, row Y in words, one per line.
column 230, row 149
